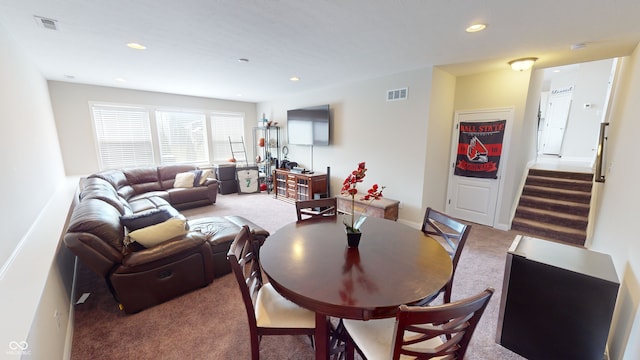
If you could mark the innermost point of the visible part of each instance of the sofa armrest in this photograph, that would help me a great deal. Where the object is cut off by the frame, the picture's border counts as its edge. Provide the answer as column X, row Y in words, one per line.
column 166, row 251
column 210, row 181
column 94, row 252
column 212, row 184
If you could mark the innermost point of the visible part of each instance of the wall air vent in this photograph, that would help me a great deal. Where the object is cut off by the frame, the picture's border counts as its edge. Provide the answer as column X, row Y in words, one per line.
column 46, row 23
column 397, row 94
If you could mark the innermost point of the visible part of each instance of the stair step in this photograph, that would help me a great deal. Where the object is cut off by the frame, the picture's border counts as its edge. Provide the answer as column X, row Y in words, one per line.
column 561, row 194
column 551, row 232
column 561, row 174
column 552, row 217
column 569, row 207
column 559, row 183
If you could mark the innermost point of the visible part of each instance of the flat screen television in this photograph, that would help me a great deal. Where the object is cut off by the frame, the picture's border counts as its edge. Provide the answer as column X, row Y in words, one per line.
column 309, row 126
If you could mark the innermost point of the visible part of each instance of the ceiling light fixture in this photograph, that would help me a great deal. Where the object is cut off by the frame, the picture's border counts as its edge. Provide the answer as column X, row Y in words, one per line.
column 136, row 46
column 578, row 46
column 120, row 80
column 522, row 64
column 243, row 60
column 475, row 28
column 294, row 78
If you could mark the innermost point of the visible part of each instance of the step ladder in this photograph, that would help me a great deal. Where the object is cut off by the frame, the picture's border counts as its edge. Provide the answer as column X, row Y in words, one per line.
column 238, row 151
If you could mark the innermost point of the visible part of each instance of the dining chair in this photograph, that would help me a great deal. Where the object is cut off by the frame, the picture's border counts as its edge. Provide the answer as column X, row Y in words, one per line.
column 452, row 234
column 268, row 312
column 424, row 332
column 316, row 208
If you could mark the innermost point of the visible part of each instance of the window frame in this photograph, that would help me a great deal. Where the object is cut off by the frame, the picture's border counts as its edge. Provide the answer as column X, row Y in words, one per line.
column 154, row 126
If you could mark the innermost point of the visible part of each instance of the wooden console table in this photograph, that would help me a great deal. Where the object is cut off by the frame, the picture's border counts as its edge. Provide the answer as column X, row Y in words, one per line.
column 383, row 208
column 291, row 186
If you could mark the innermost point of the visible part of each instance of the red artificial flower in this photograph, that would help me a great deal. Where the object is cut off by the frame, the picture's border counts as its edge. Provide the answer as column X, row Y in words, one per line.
column 349, row 187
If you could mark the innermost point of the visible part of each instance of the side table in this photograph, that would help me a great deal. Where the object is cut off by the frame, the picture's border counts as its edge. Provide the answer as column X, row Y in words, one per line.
column 383, row 208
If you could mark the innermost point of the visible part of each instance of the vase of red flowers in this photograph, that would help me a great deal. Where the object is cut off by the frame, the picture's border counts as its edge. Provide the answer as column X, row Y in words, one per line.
column 349, row 187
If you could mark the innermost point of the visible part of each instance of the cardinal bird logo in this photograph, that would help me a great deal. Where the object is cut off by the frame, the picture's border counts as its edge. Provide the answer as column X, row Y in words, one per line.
column 477, row 152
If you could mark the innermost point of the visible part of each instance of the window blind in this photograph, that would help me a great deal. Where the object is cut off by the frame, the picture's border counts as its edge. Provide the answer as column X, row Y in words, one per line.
column 123, row 136
column 182, row 137
column 225, row 126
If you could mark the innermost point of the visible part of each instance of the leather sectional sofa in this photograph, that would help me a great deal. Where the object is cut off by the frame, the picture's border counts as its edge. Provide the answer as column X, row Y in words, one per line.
column 126, row 227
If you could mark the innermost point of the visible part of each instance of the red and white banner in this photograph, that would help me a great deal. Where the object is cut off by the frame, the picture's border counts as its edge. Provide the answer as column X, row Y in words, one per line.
column 480, row 148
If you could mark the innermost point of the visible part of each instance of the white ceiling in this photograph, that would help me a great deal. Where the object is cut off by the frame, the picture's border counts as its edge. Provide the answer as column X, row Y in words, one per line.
column 193, row 46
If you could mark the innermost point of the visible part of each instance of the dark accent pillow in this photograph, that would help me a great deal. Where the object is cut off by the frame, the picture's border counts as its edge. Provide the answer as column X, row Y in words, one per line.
column 145, row 218
column 196, row 177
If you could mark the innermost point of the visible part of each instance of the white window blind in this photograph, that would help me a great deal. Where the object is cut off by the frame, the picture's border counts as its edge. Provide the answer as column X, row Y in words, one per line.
column 123, row 136
column 182, row 137
column 225, row 126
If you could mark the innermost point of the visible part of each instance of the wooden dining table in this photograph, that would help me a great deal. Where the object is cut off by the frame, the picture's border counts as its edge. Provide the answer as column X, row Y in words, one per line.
column 310, row 264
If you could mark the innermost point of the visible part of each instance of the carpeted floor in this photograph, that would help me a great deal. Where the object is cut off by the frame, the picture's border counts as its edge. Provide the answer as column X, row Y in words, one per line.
column 210, row 323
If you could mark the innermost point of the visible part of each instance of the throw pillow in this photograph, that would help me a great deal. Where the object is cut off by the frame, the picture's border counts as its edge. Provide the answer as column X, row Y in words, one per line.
column 196, row 177
column 206, row 174
column 153, row 235
column 184, row 180
column 145, row 218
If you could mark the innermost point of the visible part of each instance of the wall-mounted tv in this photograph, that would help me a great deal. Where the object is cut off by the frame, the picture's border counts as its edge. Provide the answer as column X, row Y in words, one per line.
column 309, row 126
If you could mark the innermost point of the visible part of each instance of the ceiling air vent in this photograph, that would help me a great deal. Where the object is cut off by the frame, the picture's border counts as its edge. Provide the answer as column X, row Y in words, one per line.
column 46, row 23
column 397, row 94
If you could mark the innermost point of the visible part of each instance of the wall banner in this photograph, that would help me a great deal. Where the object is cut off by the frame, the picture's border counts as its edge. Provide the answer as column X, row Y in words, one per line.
column 479, row 149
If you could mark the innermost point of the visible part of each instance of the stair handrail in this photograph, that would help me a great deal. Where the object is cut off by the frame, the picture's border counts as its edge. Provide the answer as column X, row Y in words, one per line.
column 599, row 176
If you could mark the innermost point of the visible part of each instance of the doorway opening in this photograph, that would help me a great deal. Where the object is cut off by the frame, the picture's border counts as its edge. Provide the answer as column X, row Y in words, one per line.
column 573, row 102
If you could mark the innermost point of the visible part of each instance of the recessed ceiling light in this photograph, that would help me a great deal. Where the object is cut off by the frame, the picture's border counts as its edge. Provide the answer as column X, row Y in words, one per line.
column 70, row 77
column 578, row 46
column 475, row 28
column 136, row 46
column 121, row 80
column 294, row 78
column 243, row 60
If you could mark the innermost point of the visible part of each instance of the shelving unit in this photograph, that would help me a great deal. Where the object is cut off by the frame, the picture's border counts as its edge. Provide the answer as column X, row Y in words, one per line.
column 291, row 187
column 269, row 152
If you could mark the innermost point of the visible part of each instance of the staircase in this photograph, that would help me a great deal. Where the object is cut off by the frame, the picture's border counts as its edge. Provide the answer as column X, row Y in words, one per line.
column 554, row 205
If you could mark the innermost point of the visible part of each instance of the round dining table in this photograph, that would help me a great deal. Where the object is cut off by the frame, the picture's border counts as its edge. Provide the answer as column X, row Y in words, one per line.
column 309, row 263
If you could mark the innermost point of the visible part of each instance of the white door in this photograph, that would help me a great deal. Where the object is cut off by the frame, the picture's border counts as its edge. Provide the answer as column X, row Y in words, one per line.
column 556, row 122
column 475, row 198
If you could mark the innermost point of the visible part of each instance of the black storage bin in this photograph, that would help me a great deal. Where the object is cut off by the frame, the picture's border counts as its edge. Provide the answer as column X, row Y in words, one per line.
column 225, row 172
column 227, row 186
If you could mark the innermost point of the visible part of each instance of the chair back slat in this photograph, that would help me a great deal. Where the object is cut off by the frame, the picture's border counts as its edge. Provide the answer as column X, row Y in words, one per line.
column 454, row 323
column 316, row 208
column 242, row 256
column 453, row 234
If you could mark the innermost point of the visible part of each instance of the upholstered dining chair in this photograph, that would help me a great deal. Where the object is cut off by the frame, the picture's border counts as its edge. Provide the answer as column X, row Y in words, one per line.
column 424, row 332
column 268, row 312
column 316, row 208
column 452, row 234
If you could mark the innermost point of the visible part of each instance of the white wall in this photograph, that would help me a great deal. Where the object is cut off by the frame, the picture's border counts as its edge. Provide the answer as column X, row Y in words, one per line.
column 590, row 81
column 616, row 218
column 35, row 199
column 390, row 136
column 73, row 116
column 438, row 140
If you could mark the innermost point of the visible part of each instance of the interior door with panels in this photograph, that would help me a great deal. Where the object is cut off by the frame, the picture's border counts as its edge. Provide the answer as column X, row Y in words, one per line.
column 478, row 156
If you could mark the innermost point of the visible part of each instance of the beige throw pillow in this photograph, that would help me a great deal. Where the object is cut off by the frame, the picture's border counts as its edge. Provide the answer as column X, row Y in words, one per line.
column 206, row 173
column 184, row 180
column 153, row 235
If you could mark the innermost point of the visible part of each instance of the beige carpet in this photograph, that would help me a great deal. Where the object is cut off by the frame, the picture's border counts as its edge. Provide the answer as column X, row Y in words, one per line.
column 210, row 323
